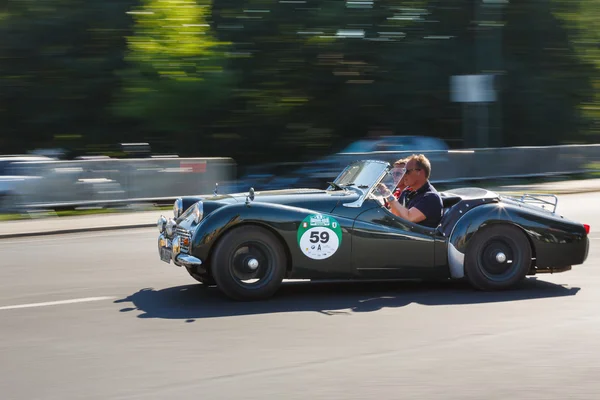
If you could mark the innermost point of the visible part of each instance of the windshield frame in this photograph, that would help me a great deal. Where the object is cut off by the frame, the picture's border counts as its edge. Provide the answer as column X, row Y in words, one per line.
column 377, row 170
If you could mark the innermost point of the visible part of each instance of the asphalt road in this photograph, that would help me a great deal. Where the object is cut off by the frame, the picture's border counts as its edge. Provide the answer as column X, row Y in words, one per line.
column 98, row 316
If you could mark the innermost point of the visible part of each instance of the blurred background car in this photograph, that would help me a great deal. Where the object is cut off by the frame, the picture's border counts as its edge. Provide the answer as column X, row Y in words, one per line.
column 316, row 173
column 12, row 179
column 39, row 181
column 396, row 143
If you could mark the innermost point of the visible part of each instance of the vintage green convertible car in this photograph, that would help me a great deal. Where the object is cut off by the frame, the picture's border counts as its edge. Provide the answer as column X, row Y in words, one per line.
column 248, row 243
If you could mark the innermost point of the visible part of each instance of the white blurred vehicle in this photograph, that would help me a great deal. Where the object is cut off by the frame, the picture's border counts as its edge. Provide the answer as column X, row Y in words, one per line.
column 12, row 179
column 27, row 180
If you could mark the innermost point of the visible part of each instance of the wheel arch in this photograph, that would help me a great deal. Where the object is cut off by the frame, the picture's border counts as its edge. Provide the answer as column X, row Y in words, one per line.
column 467, row 227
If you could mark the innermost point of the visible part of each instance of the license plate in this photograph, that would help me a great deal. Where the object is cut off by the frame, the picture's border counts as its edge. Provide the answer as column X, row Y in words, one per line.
column 165, row 255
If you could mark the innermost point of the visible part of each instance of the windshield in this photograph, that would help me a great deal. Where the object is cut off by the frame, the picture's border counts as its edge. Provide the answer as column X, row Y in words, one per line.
column 365, row 176
column 362, row 174
column 391, row 179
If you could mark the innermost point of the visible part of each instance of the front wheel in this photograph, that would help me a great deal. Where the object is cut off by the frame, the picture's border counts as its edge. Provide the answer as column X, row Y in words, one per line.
column 205, row 279
column 498, row 257
column 249, row 263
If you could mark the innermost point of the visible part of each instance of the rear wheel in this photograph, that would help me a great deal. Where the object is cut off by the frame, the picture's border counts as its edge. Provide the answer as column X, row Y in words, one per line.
column 249, row 263
column 498, row 257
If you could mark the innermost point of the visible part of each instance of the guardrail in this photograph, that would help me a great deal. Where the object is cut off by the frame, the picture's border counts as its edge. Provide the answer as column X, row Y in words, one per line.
column 453, row 166
column 501, row 163
column 77, row 183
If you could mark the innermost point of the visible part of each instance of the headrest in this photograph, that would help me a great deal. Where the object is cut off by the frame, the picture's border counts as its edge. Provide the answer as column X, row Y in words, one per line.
column 449, row 200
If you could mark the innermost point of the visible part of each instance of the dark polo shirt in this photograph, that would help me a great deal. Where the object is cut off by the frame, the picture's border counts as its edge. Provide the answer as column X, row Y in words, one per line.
column 427, row 200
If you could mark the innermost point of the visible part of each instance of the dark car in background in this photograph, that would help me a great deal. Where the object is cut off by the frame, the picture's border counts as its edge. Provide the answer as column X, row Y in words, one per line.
column 396, row 144
column 318, row 173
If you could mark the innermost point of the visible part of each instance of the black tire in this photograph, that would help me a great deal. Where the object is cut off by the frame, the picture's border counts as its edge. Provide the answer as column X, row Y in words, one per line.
column 484, row 271
column 205, row 279
column 232, row 258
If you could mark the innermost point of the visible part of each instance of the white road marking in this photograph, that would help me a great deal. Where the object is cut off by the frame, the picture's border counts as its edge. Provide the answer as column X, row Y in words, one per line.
column 54, row 303
column 81, row 235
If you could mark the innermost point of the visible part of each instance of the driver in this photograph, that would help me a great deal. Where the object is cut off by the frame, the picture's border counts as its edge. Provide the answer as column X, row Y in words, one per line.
column 424, row 203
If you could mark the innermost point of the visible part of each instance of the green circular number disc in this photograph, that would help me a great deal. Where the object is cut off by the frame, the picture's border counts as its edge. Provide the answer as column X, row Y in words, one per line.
column 319, row 236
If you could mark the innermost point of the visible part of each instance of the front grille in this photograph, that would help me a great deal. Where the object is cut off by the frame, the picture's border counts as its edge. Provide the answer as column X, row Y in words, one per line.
column 184, row 234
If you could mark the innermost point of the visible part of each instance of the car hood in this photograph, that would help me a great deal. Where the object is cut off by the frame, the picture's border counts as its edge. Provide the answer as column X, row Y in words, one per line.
column 320, row 201
column 314, row 199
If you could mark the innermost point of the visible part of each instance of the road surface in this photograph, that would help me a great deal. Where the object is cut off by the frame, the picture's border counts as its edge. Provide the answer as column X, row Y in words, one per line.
column 98, row 316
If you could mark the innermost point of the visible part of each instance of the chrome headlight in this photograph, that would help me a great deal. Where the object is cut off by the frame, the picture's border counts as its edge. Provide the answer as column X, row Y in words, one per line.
column 171, row 225
column 161, row 224
column 178, row 207
column 198, row 212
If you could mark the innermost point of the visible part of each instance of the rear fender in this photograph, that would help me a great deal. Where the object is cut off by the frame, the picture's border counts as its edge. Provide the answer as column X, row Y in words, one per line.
column 471, row 222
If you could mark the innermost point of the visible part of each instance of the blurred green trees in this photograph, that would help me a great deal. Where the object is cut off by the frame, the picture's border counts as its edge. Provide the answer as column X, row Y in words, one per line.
column 263, row 80
column 176, row 72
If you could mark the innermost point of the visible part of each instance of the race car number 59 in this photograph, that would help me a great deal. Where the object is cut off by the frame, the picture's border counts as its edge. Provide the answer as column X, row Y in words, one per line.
column 319, row 237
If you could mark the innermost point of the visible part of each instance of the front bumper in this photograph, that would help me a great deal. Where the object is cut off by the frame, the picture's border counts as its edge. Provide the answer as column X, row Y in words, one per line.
column 170, row 250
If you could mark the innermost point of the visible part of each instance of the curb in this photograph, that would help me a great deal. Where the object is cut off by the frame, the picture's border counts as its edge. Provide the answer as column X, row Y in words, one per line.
column 74, row 230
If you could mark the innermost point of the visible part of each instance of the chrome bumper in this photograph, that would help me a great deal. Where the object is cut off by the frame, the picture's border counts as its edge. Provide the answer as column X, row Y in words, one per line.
column 170, row 250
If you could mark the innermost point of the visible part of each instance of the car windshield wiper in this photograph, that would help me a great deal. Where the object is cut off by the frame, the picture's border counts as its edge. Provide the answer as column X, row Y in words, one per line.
column 359, row 186
column 335, row 185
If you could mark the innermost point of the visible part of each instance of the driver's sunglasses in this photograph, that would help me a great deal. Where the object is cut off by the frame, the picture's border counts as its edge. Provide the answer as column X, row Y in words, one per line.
column 403, row 171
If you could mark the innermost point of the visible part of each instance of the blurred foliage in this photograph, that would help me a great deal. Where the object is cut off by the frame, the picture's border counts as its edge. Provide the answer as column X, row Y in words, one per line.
column 581, row 17
column 263, row 80
column 57, row 70
column 173, row 64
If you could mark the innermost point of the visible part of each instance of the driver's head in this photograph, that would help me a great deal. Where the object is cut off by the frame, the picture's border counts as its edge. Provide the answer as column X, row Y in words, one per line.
column 418, row 170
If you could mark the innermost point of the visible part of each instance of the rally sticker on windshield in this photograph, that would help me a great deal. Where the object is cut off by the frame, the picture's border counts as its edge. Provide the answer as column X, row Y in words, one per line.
column 319, row 236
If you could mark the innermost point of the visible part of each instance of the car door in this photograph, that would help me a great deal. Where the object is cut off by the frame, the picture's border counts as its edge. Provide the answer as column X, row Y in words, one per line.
column 386, row 246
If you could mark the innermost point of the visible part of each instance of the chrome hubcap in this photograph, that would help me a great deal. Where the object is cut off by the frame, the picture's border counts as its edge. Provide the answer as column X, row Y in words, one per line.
column 253, row 264
column 500, row 257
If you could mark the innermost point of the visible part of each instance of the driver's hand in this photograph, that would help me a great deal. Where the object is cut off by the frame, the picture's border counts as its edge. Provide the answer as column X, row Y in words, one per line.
column 385, row 192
